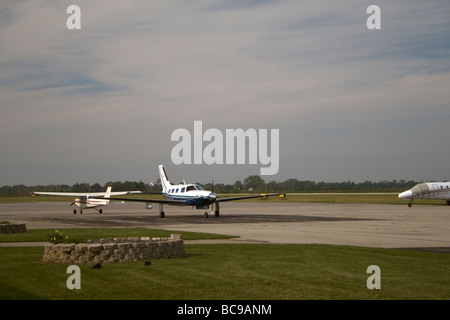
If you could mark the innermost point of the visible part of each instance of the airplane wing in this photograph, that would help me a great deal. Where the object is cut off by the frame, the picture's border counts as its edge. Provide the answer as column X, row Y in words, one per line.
column 251, row 197
column 81, row 194
column 163, row 201
column 63, row 194
column 183, row 202
column 116, row 193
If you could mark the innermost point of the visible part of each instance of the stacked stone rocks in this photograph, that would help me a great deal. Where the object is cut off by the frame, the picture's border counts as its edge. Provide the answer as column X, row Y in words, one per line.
column 116, row 250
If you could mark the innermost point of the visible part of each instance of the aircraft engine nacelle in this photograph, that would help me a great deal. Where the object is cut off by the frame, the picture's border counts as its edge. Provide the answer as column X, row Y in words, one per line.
column 148, row 206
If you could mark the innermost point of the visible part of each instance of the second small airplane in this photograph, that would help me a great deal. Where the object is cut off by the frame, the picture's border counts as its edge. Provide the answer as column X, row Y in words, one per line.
column 86, row 200
column 189, row 195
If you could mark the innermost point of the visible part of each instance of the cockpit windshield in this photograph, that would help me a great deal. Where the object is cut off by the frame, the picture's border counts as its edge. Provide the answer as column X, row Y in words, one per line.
column 190, row 188
column 193, row 187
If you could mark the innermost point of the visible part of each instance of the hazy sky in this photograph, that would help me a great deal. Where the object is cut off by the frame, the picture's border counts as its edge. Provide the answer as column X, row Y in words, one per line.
column 100, row 104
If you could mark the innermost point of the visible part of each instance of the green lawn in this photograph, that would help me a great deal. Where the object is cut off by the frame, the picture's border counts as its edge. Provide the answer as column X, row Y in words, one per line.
column 83, row 234
column 377, row 198
column 231, row 271
column 236, row 271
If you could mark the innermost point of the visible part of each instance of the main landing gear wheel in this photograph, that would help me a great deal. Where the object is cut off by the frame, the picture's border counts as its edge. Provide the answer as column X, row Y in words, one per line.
column 161, row 214
column 217, row 211
column 100, row 211
column 74, row 211
column 205, row 214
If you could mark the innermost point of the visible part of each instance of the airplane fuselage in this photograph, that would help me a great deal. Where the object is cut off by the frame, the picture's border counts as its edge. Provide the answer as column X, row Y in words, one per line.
column 427, row 190
column 192, row 194
column 90, row 202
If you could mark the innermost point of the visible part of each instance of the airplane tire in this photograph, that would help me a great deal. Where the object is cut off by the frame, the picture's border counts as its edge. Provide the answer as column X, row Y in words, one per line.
column 217, row 214
column 74, row 211
column 100, row 211
column 161, row 214
column 205, row 214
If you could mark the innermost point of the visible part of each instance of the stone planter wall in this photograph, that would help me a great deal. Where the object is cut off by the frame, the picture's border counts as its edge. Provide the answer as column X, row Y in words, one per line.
column 115, row 250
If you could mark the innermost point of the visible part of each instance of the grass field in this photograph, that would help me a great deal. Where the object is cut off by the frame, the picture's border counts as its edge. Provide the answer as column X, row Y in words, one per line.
column 77, row 235
column 227, row 271
column 230, row 271
column 236, row 271
column 376, row 198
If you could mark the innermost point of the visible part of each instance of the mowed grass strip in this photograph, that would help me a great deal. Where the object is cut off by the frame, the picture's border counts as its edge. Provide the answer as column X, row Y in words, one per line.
column 82, row 234
column 363, row 197
column 236, row 271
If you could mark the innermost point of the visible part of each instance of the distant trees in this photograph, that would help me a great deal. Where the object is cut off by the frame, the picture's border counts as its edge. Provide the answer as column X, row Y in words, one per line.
column 130, row 186
column 251, row 183
column 294, row 185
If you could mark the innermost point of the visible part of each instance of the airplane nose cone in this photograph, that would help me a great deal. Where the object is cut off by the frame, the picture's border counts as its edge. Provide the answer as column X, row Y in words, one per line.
column 212, row 196
column 407, row 195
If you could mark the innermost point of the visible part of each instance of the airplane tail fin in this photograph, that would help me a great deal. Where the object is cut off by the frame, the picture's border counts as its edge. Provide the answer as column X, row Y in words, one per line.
column 108, row 192
column 164, row 179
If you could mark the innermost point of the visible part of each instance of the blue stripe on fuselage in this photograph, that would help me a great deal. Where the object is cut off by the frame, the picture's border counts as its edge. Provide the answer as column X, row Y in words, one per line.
column 190, row 200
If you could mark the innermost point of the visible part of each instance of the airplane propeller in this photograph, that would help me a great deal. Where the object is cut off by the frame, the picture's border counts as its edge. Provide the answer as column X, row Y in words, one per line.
column 212, row 196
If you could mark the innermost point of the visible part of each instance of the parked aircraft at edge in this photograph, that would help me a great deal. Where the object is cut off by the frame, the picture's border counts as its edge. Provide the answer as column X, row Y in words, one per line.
column 427, row 190
column 189, row 195
column 87, row 200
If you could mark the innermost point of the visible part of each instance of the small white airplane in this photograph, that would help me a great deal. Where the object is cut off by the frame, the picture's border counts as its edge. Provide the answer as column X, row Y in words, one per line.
column 427, row 190
column 88, row 200
column 190, row 195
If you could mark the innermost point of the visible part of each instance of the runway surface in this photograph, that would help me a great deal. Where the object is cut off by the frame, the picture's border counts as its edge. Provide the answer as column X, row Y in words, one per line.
column 371, row 225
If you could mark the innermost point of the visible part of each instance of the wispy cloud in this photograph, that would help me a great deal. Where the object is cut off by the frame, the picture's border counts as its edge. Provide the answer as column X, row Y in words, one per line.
column 350, row 103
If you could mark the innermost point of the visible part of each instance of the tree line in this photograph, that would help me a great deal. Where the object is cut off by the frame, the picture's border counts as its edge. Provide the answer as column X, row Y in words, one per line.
column 249, row 184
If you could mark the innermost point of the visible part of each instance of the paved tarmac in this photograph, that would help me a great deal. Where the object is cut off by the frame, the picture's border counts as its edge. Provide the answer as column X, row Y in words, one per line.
column 371, row 225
